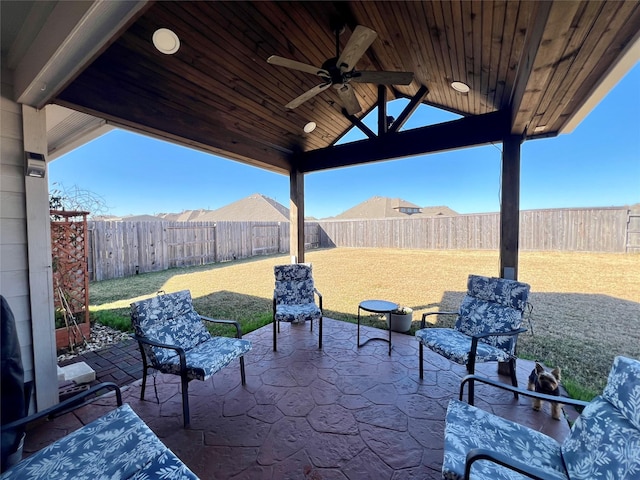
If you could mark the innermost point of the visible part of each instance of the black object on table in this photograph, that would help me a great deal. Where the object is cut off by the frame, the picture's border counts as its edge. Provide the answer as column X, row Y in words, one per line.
column 376, row 306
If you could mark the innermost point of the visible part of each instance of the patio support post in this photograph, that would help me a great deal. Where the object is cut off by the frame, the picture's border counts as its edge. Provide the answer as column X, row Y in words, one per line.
column 510, row 207
column 296, row 214
column 39, row 265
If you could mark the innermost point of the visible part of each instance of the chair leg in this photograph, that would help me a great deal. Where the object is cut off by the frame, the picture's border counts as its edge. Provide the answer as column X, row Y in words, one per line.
column 275, row 349
column 242, row 376
column 514, row 377
column 421, row 361
column 144, row 380
column 471, row 367
column 319, row 333
column 185, row 401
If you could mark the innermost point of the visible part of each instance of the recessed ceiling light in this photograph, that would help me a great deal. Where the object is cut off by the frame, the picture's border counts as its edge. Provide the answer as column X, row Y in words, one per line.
column 460, row 87
column 540, row 128
column 166, row 41
column 309, row 127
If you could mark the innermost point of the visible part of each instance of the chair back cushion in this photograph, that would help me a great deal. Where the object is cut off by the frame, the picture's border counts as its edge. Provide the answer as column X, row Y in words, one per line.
column 604, row 442
column 493, row 305
column 168, row 319
column 294, row 284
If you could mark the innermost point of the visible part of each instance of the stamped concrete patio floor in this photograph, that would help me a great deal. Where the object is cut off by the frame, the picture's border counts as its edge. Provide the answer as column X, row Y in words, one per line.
column 338, row 413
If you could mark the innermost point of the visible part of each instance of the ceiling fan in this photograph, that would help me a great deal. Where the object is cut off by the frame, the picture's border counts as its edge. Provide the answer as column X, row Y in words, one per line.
column 340, row 70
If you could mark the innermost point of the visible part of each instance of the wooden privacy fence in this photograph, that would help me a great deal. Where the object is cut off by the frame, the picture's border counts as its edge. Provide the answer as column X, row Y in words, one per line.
column 586, row 229
column 121, row 249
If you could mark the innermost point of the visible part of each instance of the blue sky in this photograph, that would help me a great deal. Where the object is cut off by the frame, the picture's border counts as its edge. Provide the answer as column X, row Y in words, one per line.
column 597, row 165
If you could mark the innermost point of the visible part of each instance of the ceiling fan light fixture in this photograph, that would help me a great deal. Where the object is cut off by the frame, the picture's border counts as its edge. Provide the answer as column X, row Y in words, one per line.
column 460, row 87
column 310, row 127
column 166, row 41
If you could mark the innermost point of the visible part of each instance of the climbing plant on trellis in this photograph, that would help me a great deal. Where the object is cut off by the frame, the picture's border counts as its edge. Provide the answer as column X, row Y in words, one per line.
column 70, row 269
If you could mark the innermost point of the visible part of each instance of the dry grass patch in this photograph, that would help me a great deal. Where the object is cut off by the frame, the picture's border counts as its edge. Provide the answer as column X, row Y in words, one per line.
column 586, row 305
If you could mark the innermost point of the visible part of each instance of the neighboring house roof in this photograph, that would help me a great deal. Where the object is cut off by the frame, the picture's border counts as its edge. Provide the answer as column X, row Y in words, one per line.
column 384, row 207
column 141, row 218
column 254, row 208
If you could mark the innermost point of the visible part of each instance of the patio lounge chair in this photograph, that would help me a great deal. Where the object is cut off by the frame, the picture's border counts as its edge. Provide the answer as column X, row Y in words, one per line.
column 604, row 442
column 173, row 339
column 293, row 298
column 116, row 445
column 486, row 328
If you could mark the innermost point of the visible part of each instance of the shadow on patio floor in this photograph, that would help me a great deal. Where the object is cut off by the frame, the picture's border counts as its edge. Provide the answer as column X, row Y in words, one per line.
column 339, row 413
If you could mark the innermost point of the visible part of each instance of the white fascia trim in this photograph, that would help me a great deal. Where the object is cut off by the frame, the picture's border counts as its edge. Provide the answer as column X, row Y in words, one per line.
column 72, row 34
column 626, row 61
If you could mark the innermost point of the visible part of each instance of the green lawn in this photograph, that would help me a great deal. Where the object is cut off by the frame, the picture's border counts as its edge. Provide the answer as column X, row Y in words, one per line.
column 586, row 305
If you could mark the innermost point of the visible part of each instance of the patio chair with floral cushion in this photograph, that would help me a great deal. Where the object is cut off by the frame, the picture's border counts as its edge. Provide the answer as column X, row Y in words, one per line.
column 486, row 328
column 604, row 442
column 116, row 445
column 294, row 298
column 173, row 339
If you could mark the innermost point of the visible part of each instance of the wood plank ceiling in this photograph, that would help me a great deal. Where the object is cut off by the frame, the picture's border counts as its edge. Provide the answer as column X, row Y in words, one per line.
column 534, row 62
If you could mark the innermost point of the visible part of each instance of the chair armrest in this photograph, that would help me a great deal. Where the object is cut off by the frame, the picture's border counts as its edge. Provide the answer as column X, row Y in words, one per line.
column 522, row 391
column 425, row 315
column 484, row 454
column 66, row 406
column 226, row 322
column 153, row 343
column 319, row 296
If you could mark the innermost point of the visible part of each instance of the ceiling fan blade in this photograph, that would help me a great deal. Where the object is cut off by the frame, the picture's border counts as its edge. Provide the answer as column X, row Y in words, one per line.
column 349, row 99
column 360, row 40
column 382, row 78
column 309, row 94
column 303, row 67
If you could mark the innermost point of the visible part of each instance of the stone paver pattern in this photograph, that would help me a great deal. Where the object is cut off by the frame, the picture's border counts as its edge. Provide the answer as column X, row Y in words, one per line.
column 338, row 413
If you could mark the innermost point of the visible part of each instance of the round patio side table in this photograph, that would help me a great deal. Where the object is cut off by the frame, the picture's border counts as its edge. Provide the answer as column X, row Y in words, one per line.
column 376, row 306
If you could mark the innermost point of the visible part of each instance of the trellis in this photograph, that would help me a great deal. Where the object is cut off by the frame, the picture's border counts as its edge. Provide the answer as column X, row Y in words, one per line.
column 70, row 272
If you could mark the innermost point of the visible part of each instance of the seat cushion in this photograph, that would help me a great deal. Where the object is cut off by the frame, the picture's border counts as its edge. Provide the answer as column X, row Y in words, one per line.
column 297, row 313
column 603, row 444
column 469, row 427
column 455, row 346
column 118, row 445
column 207, row 358
column 169, row 319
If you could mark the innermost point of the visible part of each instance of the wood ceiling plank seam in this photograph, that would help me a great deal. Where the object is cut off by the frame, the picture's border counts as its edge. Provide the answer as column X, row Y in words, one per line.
column 415, row 62
column 446, row 98
column 521, row 111
column 497, row 51
column 561, row 77
column 193, row 90
column 120, row 112
column 411, row 60
column 232, row 53
column 548, row 53
column 427, row 51
column 487, row 31
column 515, row 28
column 460, row 56
column 597, row 41
column 442, row 43
column 467, row 19
column 476, row 29
column 236, row 67
column 451, row 52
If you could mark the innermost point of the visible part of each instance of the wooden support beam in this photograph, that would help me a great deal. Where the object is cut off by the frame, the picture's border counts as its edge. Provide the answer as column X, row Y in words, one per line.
column 510, row 207
column 383, row 125
column 296, row 214
column 358, row 123
column 411, row 107
column 465, row 132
